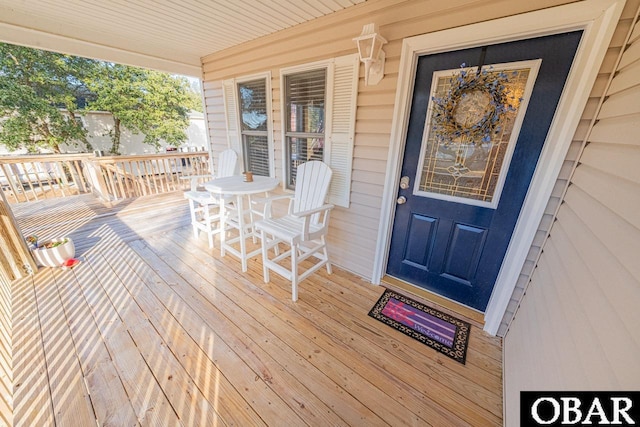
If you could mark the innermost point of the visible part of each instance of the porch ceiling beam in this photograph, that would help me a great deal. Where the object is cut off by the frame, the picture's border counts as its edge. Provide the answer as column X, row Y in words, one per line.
column 29, row 37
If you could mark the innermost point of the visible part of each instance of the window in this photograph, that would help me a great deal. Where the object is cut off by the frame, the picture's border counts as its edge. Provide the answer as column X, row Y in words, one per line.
column 247, row 114
column 318, row 120
column 304, row 133
column 80, row 120
column 318, row 105
column 254, row 130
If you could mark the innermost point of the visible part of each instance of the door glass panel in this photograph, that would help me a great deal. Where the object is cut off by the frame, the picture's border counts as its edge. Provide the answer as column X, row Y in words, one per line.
column 471, row 132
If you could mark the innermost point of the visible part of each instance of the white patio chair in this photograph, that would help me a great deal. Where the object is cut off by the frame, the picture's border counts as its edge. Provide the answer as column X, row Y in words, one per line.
column 205, row 206
column 303, row 229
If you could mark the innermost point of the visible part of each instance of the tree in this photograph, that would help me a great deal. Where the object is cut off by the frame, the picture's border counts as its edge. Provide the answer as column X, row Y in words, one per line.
column 42, row 93
column 38, row 98
column 144, row 101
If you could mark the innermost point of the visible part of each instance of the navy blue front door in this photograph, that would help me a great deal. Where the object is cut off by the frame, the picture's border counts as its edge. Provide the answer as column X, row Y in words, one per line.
column 454, row 248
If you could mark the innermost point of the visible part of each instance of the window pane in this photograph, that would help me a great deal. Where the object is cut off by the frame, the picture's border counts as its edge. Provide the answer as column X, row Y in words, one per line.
column 302, row 150
column 254, row 126
column 306, row 101
column 253, row 105
column 304, row 119
column 256, row 153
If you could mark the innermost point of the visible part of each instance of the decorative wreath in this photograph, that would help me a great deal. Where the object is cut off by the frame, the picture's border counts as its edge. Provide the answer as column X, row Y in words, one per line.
column 472, row 109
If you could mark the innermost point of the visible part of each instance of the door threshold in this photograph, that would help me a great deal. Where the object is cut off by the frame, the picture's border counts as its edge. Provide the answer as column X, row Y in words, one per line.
column 473, row 316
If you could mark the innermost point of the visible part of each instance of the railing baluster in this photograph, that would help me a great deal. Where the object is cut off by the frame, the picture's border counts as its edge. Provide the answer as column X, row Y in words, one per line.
column 31, row 177
column 70, row 165
column 144, row 168
column 172, row 164
column 8, row 176
column 58, row 177
column 162, row 175
column 122, row 182
column 80, row 176
column 107, row 172
column 26, row 176
column 111, row 175
column 43, row 174
column 155, row 178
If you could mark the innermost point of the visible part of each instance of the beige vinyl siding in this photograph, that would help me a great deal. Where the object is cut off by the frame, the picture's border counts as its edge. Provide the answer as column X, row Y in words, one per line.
column 216, row 120
column 354, row 230
column 560, row 187
column 576, row 326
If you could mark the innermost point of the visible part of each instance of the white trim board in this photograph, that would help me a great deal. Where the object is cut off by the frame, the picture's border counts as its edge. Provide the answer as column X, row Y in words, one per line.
column 41, row 40
column 598, row 20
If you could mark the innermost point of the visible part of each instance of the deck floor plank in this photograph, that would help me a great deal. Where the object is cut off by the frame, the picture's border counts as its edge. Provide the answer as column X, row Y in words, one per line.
column 70, row 397
column 328, row 355
column 255, row 344
column 100, row 373
column 340, row 301
column 177, row 386
column 439, row 384
column 445, row 374
column 213, row 360
column 149, row 402
column 155, row 328
column 200, row 369
column 333, row 315
column 32, row 404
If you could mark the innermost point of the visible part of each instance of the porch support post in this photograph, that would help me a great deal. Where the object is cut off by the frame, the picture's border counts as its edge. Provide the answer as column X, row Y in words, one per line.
column 17, row 261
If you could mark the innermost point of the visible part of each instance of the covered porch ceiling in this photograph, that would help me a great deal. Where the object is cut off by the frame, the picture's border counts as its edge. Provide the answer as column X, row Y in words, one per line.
column 164, row 35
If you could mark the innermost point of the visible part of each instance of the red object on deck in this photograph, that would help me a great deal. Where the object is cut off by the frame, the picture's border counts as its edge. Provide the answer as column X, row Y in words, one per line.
column 70, row 263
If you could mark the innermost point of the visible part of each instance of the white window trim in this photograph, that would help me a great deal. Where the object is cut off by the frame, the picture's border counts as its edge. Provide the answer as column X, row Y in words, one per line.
column 234, row 133
column 342, row 166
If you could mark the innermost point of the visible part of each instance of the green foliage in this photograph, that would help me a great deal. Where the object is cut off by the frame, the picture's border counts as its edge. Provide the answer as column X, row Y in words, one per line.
column 144, row 101
column 42, row 92
column 38, row 98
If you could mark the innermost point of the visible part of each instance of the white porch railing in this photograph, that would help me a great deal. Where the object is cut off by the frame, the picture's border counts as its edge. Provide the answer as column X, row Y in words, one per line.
column 27, row 178
column 30, row 178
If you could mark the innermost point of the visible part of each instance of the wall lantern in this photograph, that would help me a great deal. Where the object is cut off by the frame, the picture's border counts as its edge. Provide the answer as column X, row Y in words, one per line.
column 371, row 53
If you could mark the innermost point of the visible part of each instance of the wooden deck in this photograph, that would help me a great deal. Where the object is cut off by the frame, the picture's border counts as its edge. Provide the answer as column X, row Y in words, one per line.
column 154, row 328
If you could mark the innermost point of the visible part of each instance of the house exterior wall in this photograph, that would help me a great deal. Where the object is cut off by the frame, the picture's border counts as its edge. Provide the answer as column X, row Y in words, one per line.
column 575, row 150
column 354, row 230
column 99, row 123
column 576, row 320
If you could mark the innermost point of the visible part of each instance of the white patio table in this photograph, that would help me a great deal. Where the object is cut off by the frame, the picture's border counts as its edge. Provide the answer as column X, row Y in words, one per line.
column 236, row 186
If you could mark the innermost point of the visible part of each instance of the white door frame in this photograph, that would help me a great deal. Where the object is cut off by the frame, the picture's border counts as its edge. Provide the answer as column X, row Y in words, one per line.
column 598, row 20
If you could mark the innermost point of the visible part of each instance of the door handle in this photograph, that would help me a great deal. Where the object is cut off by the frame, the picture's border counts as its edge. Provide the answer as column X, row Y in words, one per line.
column 404, row 182
column 401, row 200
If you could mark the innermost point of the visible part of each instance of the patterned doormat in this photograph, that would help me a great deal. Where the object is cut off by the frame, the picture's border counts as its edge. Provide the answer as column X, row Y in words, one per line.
column 434, row 328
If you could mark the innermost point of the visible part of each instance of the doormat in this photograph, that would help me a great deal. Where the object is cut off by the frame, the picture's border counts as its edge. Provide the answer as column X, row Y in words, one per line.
column 438, row 330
